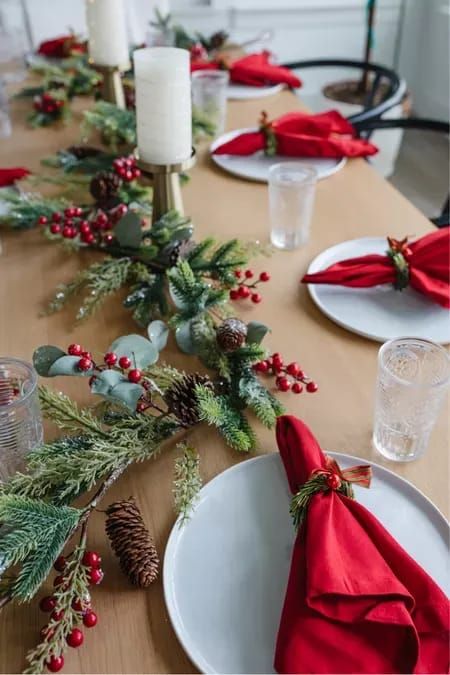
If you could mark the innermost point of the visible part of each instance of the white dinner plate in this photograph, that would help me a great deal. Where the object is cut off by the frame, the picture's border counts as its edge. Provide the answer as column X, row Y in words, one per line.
column 243, row 92
column 380, row 313
column 225, row 571
column 256, row 167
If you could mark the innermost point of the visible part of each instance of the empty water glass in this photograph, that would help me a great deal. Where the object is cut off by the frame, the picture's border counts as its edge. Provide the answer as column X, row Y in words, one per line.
column 20, row 416
column 209, row 98
column 413, row 376
column 292, row 188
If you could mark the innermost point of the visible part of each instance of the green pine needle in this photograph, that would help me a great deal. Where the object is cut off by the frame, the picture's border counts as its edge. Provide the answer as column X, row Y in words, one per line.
column 187, row 482
column 219, row 411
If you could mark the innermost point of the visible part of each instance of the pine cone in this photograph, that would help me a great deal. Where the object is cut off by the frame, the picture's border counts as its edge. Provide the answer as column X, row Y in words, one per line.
column 132, row 543
column 181, row 399
column 104, row 188
column 231, row 334
column 218, row 39
column 83, row 151
column 175, row 251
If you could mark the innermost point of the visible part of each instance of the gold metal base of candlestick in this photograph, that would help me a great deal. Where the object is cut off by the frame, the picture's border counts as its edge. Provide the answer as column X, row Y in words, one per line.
column 111, row 88
column 166, row 185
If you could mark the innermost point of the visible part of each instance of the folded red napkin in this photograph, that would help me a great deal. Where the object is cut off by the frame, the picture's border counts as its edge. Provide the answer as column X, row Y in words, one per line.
column 298, row 134
column 356, row 602
column 9, row 176
column 424, row 264
column 254, row 70
column 61, row 47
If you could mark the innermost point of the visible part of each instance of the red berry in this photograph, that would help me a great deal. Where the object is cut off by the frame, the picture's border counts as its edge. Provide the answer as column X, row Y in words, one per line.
column 277, row 361
column 122, row 171
column 70, row 212
column 129, row 162
column 249, row 274
column 69, row 222
column 60, row 563
column 108, row 239
column 300, row 375
column 256, row 298
column 128, row 175
column 77, row 605
column 293, row 369
column 136, row 173
column 333, row 481
column 91, row 559
column 121, row 210
column 88, row 237
column 141, row 407
column 262, row 367
column 234, row 294
column 90, row 619
column 59, row 581
column 78, row 211
column 118, row 163
column 311, row 387
column 283, row 383
column 69, row 232
column 47, row 604
column 95, row 575
column 110, row 359
column 75, row 350
column 297, row 388
column 87, row 355
column 42, row 220
column 55, row 228
column 85, row 227
column 56, row 217
column 55, row 663
column 124, row 362
column 46, row 633
column 238, row 274
column 57, row 615
column 75, row 638
column 264, row 276
column 101, row 219
column 134, row 375
column 243, row 291
column 84, row 364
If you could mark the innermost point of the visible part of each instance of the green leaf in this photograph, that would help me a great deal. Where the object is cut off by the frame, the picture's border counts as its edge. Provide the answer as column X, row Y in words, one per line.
column 256, row 332
column 140, row 350
column 105, row 381
column 44, row 357
column 183, row 336
column 68, row 365
column 128, row 230
column 158, row 334
column 127, row 393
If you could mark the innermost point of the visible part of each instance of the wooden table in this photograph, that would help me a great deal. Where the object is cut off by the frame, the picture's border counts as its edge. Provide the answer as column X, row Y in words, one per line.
column 134, row 634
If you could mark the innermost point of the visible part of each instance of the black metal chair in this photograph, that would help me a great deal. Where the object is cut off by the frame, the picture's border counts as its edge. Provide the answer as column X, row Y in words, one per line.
column 395, row 90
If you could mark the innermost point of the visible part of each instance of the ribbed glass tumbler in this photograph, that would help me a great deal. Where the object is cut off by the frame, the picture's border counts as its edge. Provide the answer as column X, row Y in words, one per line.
column 20, row 416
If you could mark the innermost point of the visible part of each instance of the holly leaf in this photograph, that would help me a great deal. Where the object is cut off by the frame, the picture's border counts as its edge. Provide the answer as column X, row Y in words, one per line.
column 128, row 230
column 104, row 382
column 256, row 332
column 68, row 365
column 139, row 350
column 183, row 337
column 127, row 393
column 44, row 357
column 158, row 334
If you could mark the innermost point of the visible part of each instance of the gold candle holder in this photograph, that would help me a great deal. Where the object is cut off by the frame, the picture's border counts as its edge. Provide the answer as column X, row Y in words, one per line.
column 111, row 88
column 166, row 185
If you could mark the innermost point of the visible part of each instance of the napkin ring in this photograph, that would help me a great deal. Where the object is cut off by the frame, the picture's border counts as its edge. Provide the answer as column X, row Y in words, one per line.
column 398, row 252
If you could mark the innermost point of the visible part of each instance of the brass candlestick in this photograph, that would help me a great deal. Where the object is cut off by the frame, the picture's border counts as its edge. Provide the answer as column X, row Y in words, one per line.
column 112, row 87
column 166, row 185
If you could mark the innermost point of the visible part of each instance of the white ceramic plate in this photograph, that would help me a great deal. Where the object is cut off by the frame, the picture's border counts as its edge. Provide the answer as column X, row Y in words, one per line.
column 225, row 572
column 380, row 313
column 256, row 167
column 243, row 92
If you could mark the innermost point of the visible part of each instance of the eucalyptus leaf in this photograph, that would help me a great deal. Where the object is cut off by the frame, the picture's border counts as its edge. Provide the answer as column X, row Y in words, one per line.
column 158, row 333
column 139, row 350
column 44, row 357
column 184, row 339
column 105, row 381
column 68, row 365
column 128, row 230
column 256, row 332
column 127, row 393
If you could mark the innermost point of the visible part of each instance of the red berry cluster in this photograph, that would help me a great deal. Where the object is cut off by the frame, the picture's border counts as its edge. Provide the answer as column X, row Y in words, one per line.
column 126, row 168
column 46, row 103
column 90, row 227
column 246, row 287
column 290, row 377
column 91, row 561
column 198, row 52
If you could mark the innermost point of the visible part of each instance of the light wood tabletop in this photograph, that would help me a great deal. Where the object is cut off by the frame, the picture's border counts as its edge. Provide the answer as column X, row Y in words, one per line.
column 134, row 634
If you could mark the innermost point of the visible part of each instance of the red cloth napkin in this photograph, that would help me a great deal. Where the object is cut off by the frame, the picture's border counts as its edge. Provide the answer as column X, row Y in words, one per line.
column 298, row 134
column 61, row 47
column 356, row 602
column 428, row 260
column 254, row 70
column 9, row 176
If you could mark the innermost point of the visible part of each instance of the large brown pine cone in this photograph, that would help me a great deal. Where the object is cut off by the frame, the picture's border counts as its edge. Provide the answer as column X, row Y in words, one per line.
column 231, row 334
column 83, row 151
column 132, row 543
column 181, row 399
column 104, row 187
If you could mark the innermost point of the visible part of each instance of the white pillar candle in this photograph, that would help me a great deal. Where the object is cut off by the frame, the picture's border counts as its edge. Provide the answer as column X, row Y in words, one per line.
column 108, row 42
column 163, row 104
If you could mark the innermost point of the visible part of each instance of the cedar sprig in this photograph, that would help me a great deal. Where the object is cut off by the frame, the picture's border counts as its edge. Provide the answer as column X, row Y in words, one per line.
column 24, row 209
column 301, row 500
column 187, row 482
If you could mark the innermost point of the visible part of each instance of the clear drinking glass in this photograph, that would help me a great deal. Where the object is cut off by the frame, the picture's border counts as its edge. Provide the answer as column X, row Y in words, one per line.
column 413, row 376
column 5, row 119
column 14, row 40
column 292, row 188
column 20, row 416
column 209, row 97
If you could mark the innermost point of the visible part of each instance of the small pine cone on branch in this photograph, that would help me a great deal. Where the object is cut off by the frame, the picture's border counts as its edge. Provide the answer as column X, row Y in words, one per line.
column 83, row 151
column 104, row 187
column 181, row 399
column 132, row 542
column 231, row 334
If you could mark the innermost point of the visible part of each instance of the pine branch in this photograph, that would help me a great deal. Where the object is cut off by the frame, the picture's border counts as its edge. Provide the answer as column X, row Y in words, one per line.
column 116, row 126
column 65, row 413
column 187, row 482
column 25, row 208
column 265, row 406
column 218, row 411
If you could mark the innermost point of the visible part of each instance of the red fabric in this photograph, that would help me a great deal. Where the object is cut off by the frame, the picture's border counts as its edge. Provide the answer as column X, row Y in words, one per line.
column 254, row 70
column 429, row 269
column 298, row 134
column 60, row 47
column 9, row 176
column 356, row 602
